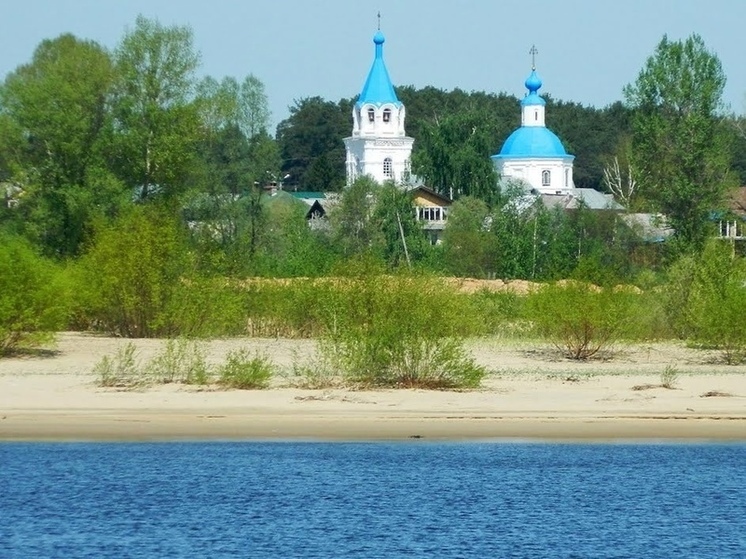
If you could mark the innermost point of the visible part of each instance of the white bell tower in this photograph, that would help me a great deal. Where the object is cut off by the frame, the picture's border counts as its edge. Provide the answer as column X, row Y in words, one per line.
column 379, row 146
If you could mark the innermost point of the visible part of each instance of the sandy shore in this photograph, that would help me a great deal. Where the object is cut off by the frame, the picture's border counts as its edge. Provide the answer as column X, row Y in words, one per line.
column 529, row 394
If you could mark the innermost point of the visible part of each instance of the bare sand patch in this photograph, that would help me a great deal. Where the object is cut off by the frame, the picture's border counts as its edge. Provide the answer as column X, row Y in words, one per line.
column 530, row 393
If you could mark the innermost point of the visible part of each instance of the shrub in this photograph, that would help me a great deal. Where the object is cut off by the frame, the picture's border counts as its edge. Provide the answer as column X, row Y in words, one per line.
column 580, row 319
column 33, row 301
column 401, row 330
column 716, row 305
column 122, row 370
column 180, row 361
column 244, row 371
column 130, row 275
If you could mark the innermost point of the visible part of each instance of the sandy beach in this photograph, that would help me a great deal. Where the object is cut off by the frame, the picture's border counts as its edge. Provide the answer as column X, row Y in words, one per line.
column 530, row 393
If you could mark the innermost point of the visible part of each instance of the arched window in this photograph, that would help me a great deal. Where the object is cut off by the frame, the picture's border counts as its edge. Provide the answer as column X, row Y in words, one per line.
column 536, row 115
column 371, row 115
column 546, row 177
column 567, row 178
column 388, row 168
column 386, row 115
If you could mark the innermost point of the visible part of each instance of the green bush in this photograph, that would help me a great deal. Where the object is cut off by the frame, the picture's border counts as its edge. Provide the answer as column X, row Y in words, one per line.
column 581, row 319
column 33, row 300
column 180, row 361
column 398, row 331
column 129, row 276
column 245, row 371
column 716, row 304
column 121, row 371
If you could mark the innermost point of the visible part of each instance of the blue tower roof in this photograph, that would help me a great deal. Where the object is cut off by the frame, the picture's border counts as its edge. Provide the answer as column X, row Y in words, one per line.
column 378, row 88
column 532, row 141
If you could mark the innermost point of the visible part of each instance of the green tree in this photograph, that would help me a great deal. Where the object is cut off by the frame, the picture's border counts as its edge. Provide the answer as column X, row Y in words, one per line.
column 227, row 103
column 679, row 144
column 468, row 245
column 53, row 139
column 401, row 238
column 131, row 274
column 454, row 155
column 156, row 120
column 314, row 129
column 350, row 219
column 33, row 304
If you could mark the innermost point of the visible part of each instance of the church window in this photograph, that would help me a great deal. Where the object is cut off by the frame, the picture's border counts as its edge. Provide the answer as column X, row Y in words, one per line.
column 388, row 168
column 536, row 115
column 371, row 115
column 387, row 115
column 546, row 177
column 567, row 178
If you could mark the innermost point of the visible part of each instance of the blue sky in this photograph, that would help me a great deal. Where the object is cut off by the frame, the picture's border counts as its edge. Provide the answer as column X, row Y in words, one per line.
column 588, row 49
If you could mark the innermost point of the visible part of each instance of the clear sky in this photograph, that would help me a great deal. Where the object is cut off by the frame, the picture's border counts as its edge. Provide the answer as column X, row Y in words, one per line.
column 588, row 49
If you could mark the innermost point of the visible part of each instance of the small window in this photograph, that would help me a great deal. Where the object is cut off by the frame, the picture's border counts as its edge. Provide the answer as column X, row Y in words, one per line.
column 567, row 178
column 387, row 115
column 546, row 177
column 388, row 168
column 536, row 115
column 371, row 115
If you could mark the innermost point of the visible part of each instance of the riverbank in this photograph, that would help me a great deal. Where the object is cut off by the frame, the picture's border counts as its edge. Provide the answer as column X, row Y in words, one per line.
column 530, row 394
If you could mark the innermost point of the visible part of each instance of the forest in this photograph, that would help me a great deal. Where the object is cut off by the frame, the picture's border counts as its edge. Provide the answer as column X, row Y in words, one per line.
column 135, row 200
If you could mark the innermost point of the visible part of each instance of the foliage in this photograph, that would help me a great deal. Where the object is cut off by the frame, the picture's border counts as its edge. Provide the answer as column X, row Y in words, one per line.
column 399, row 331
column 311, row 146
column 33, row 303
column 679, row 141
column 121, row 371
column 580, row 319
column 156, row 122
column 54, row 144
column 228, row 104
column 454, row 155
column 716, row 301
column 244, row 371
column 181, row 361
column 401, row 237
column 468, row 245
column 669, row 377
column 129, row 276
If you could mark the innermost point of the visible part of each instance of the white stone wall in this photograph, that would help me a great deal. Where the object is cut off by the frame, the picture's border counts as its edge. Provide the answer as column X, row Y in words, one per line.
column 365, row 156
column 530, row 170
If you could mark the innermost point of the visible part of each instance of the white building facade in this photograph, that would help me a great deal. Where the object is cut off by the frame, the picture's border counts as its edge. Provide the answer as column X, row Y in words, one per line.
column 533, row 154
column 378, row 146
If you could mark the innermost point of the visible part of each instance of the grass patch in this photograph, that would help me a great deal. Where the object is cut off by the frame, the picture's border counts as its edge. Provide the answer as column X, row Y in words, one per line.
column 245, row 371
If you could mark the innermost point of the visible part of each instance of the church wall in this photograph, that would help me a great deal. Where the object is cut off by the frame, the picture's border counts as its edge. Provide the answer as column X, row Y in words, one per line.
column 371, row 153
column 530, row 170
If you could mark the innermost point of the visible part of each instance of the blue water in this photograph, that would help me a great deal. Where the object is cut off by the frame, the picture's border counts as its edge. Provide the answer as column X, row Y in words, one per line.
column 414, row 500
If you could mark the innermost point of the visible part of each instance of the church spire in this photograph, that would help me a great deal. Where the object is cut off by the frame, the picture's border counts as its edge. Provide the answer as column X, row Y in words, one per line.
column 378, row 88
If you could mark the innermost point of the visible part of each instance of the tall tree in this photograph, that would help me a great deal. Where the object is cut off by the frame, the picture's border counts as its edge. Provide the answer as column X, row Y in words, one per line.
column 315, row 127
column 228, row 103
column 679, row 141
column 54, row 115
column 157, row 122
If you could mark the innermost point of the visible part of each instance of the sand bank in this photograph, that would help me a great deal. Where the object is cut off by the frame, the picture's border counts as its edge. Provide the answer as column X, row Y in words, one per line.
column 530, row 394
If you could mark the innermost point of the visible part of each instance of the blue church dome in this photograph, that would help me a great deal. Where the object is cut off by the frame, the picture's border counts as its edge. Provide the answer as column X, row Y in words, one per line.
column 532, row 141
column 378, row 88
